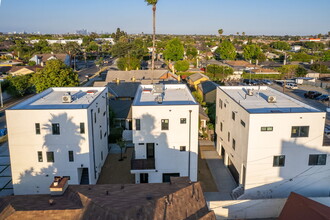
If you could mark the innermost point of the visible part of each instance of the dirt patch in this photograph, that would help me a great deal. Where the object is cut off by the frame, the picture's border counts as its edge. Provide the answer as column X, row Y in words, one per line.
column 115, row 171
column 204, row 174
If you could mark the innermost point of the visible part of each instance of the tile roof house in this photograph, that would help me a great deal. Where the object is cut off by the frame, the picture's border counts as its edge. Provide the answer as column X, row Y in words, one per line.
column 41, row 59
column 263, row 71
column 179, row 199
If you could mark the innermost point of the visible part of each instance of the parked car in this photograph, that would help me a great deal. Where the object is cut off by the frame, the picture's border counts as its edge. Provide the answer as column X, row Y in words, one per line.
column 327, row 130
column 312, row 94
column 322, row 98
column 267, row 82
column 291, row 86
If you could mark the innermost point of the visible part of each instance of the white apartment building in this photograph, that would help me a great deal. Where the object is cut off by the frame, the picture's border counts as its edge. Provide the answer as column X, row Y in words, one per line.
column 165, row 133
column 271, row 143
column 58, row 132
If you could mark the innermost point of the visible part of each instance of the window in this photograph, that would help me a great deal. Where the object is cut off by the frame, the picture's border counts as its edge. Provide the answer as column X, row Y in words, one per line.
column 165, row 123
column 101, row 155
column 225, row 105
column 56, row 128
column 221, row 126
column 67, row 177
column 98, row 110
column 141, row 143
column 279, row 161
column 100, row 134
column 299, row 131
column 37, row 125
column 82, row 128
column 94, row 117
column 104, row 113
column 266, row 128
column 242, row 123
column 183, row 120
column 317, row 159
column 234, row 144
column 167, row 176
column 182, row 148
column 137, row 124
column 40, row 159
column 228, row 136
column 220, row 103
column 50, row 156
column 233, row 115
column 71, row 156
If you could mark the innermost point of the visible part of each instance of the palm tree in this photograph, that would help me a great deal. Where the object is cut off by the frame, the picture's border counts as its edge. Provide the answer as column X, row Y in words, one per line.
column 220, row 32
column 153, row 3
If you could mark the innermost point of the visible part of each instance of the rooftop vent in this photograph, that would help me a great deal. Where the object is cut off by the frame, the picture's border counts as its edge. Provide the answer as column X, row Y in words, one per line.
column 67, row 98
column 271, row 99
column 250, row 92
column 159, row 88
column 159, row 99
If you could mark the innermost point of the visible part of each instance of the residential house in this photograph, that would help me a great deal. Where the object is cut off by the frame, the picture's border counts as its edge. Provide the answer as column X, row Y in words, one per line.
column 67, row 132
column 295, row 48
column 272, row 56
column 141, row 76
column 196, row 78
column 239, row 66
column 41, row 59
column 271, row 143
column 208, row 90
column 11, row 63
column 179, row 199
column 23, row 70
column 263, row 71
column 165, row 133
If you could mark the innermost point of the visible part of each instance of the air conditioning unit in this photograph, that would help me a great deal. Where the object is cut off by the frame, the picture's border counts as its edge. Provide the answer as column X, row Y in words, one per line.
column 67, row 98
column 250, row 92
column 271, row 99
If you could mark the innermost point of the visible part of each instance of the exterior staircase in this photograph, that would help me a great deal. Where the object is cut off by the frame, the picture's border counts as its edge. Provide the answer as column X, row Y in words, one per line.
column 237, row 192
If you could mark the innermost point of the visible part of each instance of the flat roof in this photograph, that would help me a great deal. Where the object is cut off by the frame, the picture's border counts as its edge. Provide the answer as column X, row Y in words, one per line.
column 163, row 94
column 258, row 102
column 51, row 98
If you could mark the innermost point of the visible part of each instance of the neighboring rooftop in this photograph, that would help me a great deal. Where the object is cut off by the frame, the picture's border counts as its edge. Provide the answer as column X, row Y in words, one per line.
column 258, row 102
column 52, row 98
column 164, row 94
column 139, row 75
column 179, row 199
column 207, row 86
column 197, row 76
column 123, row 89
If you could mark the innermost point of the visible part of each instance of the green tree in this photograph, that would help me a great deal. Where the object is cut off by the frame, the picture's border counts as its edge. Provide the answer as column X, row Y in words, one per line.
column 92, row 47
column 181, row 65
column 174, row 50
column 128, row 63
column 73, row 49
column 288, row 70
column 20, row 85
column 191, row 52
column 226, row 51
column 251, row 52
column 220, row 32
column 280, row 45
column 326, row 56
column 153, row 3
column 198, row 97
column 320, row 68
column 54, row 74
column 301, row 72
column 31, row 63
column 217, row 72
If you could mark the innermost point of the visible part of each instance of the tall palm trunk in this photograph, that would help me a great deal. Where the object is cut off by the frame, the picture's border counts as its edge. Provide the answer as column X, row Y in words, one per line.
column 153, row 37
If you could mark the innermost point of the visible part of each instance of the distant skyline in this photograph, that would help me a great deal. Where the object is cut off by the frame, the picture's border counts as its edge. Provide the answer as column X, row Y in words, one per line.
column 254, row 17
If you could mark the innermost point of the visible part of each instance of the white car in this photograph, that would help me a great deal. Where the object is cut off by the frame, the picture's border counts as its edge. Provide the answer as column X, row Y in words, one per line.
column 291, row 86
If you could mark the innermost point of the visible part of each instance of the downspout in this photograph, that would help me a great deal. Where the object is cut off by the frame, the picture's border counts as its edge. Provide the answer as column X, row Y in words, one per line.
column 189, row 143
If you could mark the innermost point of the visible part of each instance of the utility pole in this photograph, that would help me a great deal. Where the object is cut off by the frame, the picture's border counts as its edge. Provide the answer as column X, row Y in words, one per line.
column 1, row 99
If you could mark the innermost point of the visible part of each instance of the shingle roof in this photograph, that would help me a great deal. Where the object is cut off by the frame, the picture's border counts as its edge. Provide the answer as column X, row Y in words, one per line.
column 45, row 57
column 121, row 108
column 123, row 89
column 207, row 86
column 196, row 76
column 179, row 199
column 137, row 75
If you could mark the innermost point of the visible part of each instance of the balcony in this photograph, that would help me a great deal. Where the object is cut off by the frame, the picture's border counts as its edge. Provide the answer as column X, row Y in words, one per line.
column 142, row 164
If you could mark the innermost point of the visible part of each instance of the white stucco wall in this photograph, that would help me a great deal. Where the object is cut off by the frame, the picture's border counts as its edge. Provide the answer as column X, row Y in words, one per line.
column 32, row 177
column 168, row 157
column 255, row 149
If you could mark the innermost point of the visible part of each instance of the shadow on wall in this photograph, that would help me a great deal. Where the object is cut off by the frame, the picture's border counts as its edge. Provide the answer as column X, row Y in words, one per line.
column 35, row 180
column 296, row 174
column 167, row 157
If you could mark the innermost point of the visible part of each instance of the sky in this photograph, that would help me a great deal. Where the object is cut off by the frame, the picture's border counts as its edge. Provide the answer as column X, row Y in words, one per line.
column 254, row 17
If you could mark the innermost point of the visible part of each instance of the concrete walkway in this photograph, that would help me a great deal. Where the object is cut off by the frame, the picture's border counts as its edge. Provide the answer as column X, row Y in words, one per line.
column 222, row 177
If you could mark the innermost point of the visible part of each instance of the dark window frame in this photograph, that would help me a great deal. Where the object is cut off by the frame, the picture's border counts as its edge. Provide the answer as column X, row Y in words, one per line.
column 56, row 129
column 40, row 158
column 182, row 148
column 300, row 131
column 233, row 115
column 71, row 156
column 165, row 124
column 243, row 123
column 50, row 156
column 234, row 144
column 82, row 128
column 279, row 161
column 183, row 121
column 137, row 124
column 267, row 128
column 37, row 128
column 317, row 159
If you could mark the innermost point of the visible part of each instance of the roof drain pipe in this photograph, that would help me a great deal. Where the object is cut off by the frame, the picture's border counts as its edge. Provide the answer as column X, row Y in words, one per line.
column 189, row 144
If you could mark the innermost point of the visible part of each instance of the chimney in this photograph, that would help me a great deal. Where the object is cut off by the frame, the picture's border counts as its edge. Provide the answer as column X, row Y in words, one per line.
column 133, row 79
column 58, row 186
